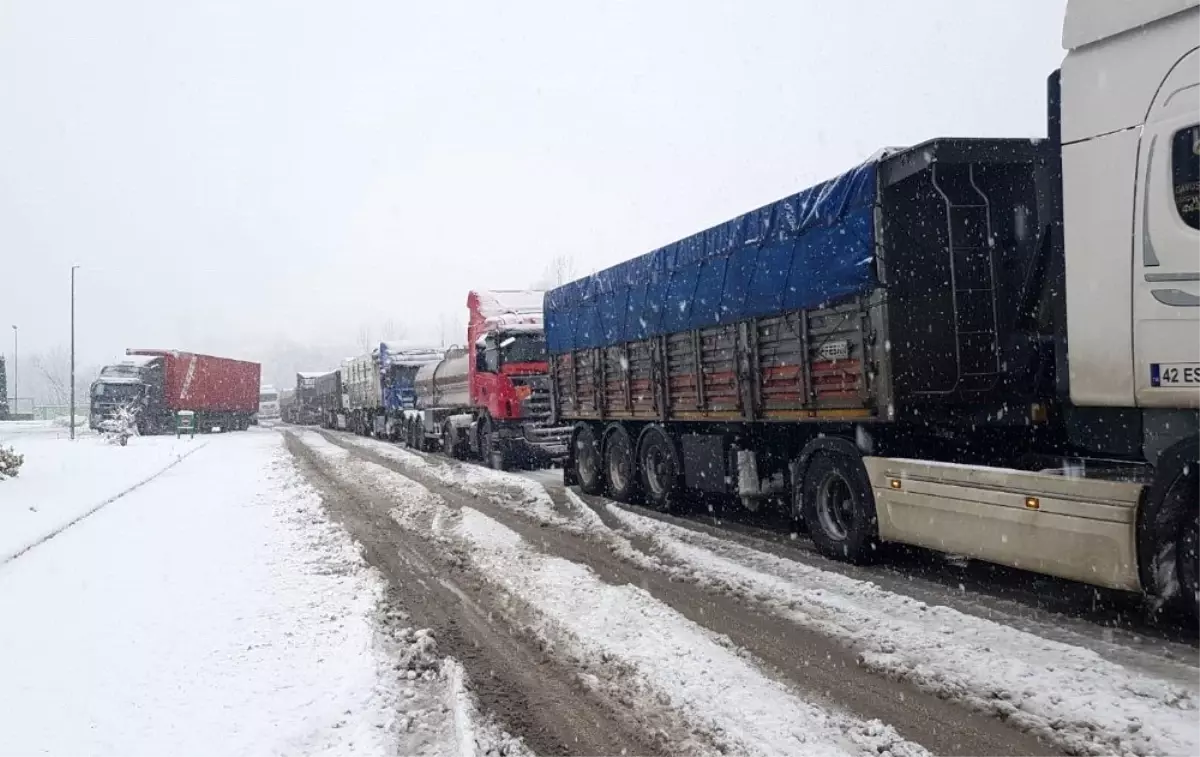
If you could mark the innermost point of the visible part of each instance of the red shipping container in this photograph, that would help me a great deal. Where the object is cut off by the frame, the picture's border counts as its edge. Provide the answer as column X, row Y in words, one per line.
column 207, row 383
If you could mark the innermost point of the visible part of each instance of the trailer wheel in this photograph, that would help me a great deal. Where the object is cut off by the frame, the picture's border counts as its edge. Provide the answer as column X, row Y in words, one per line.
column 1169, row 533
column 620, row 464
column 839, row 507
column 659, row 469
column 587, row 461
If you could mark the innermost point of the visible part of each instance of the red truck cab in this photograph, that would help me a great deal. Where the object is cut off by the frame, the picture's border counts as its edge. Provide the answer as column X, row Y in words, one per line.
column 507, row 365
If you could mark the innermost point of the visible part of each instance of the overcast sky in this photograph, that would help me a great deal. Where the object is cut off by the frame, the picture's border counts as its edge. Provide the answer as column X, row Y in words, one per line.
column 233, row 174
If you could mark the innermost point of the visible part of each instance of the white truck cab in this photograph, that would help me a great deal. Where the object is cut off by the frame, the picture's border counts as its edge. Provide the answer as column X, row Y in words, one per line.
column 1130, row 115
column 1123, row 510
column 268, row 403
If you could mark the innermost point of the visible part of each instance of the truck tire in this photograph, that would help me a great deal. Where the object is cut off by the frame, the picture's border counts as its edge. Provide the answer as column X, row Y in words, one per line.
column 839, row 508
column 587, row 460
column 1187, row 554
column 448, row 446
column 658, row 464
column 620, row 464
column 1168, row 532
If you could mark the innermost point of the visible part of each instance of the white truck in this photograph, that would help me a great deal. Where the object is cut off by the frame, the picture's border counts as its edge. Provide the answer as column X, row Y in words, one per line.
column 995, row 352
column 268, row 404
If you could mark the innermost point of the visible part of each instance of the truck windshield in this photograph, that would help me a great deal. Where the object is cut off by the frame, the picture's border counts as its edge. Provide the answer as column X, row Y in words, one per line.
column 523, row 348
column 268, row 397
column 116, row 392
column 402, row 374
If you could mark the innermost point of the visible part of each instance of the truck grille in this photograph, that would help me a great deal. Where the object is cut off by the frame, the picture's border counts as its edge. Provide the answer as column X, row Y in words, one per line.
column 537, row 407
column 535, row 416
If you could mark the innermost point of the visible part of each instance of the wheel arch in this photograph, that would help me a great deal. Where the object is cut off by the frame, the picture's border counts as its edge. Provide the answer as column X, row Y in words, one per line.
column 822, row 444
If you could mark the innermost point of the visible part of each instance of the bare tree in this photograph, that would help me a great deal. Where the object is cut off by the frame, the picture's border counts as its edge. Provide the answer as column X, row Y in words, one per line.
column 393, row 331
column 364, row 338
column 450, row 329
column 53, row 376
column 558, row 271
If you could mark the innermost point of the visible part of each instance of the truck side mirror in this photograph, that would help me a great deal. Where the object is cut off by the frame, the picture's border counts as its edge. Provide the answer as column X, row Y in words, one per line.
column 483, row 356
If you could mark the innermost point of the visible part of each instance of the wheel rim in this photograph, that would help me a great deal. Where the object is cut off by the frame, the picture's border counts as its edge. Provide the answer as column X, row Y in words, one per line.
column 618, row 462
column 835, row 506
column 658, row 469
column 585, row 458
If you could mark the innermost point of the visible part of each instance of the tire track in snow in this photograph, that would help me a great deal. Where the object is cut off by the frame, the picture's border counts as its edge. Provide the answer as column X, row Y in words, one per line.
column 531, row 691
column 822, row 668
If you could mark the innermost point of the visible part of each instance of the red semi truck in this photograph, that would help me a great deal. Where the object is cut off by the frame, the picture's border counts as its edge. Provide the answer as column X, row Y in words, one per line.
column 156, row 384
column 491, row 400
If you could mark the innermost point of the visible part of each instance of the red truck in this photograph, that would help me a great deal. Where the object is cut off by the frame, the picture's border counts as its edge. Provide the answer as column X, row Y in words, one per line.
column 156, row 383
column 491, row 400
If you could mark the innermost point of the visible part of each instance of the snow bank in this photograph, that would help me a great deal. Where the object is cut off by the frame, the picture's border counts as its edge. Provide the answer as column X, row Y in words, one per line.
column 1070, row 695
column 213, row 611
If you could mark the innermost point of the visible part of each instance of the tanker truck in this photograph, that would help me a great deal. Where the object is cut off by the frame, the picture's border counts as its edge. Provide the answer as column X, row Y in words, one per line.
column 491, row 400
column 989, row 347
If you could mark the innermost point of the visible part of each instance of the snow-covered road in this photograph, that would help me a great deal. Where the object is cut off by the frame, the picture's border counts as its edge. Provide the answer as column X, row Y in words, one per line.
column 213, row 610
column 1074, row 697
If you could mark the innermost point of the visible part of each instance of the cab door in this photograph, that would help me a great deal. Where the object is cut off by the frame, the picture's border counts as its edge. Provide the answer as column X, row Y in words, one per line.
column 1166, row 244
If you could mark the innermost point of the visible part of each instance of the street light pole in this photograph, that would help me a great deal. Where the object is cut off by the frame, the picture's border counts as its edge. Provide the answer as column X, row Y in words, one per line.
column 16, row 363
column 72, row 426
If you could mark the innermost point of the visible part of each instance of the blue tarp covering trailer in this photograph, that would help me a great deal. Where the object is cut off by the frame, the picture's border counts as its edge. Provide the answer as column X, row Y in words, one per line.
column 906, row 288
column 816, row 246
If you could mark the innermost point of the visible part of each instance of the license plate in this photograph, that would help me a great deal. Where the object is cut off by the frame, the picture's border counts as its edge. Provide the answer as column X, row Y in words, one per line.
column 1174, row 374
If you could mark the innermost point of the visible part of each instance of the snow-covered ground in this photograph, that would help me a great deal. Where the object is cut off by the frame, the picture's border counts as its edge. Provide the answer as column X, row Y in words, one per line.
column 62, row 480
column 212, row 610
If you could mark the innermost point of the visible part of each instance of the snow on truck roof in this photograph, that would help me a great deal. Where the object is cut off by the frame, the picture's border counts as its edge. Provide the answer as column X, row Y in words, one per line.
column 493, row 303
column 312, row 374
column 1088, row 21
column 151, row 354
column 137, row 360
column 403, row 353
column 508, row 310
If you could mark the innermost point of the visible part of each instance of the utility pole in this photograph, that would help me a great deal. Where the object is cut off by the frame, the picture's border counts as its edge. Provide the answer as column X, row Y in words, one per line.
column 72, row 390
column 15, row 402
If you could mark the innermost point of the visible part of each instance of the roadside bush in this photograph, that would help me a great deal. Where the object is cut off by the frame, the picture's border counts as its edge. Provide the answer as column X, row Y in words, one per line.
column 10, row 462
